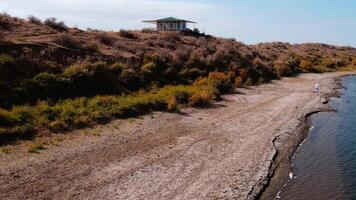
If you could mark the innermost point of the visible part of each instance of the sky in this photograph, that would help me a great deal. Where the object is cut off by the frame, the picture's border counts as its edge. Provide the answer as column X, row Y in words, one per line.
column 249, row 21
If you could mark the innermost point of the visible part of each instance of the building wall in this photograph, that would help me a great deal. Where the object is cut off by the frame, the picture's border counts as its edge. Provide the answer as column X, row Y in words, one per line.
column 171, row 26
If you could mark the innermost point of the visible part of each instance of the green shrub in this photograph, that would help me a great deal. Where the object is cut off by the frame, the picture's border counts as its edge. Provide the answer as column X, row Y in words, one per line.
column 42, row 86
column 93, row 68
column 117, row 68
column 6, row 59
column 148, row 68
column 24, row 132
column 36, row 148
column 23, row 114
column 191, row 74
column 150, row 58
column 7, row 118
column 24, row 129
column 46, row 78
column 131, row 80
column 82, row 112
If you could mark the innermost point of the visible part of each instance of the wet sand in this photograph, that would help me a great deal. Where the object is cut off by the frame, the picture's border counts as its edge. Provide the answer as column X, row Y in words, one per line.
column 228, row 151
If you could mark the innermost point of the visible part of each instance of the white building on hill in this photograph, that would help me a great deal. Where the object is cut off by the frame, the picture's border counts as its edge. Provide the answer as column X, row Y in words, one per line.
column 170, row 24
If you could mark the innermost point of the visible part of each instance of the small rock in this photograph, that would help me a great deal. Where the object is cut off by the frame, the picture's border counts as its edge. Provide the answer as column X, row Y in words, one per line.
column 291, row 175
column 324, row 101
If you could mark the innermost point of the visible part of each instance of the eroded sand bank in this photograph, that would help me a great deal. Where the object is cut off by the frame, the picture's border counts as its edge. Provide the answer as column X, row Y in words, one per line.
column 228, row 151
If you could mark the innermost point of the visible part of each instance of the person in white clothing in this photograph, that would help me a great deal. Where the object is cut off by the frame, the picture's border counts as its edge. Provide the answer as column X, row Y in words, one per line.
column 317, row 88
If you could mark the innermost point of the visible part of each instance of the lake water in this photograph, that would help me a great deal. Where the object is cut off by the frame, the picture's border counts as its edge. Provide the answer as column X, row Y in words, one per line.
column 325, row 164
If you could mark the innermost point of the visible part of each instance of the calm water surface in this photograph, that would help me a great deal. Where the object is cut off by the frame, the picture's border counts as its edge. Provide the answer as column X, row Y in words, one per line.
column 325, row 164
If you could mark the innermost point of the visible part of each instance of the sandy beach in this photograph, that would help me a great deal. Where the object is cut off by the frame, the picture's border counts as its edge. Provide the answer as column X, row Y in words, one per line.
column 228, row 151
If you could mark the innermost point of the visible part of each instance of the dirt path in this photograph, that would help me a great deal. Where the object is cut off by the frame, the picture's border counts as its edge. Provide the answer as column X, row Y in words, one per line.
column 222, row 152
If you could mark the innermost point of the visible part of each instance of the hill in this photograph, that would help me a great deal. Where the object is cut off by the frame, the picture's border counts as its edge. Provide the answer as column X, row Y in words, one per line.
column 54, row 78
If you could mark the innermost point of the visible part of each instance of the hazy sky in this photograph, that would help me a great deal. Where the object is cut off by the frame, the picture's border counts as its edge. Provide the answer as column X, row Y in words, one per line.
column 250, row 21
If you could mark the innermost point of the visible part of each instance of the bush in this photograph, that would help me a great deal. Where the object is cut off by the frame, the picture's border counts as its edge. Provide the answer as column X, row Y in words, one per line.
column 72, row 43
column 172, row 37
column 286, row 66
column 203, row 96
column 148, row 30
column 306, row 66
column 2, row 38
column 81, row 112
column 191, row 73
column 329, row 63
column 181, row 56
column 69, row 42
column 93, row 68
column 7, row 118
column 20, row 132
column 238, row 81
column 35, row 148
column 172, row 103
column 196, row 30
column 221, row 81
column 34, row 20
column 6, row 59
column 131, row 80
column 106, row 39
column 92, row 47
column 59, row 26
column 148, row 68
column 88, row 79
column 127, row 34
column 5, row 21
column 82, row 79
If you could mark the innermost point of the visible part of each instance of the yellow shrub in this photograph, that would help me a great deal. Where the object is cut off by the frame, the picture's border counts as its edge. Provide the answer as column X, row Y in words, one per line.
column 57, row 125
column 220, row 80
column 172, row 103
column 148, row 68
column 305, row 65
column 238, row 81
column 243, row 74
column 201, row 98
column 201, row 82
column 354, row 62
column 217, row 75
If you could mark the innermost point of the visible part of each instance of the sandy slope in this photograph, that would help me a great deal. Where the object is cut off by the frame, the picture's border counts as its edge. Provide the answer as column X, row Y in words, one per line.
column 222, row 152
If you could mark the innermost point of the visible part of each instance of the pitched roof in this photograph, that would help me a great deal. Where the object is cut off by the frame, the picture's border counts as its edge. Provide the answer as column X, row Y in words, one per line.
column 168, row 19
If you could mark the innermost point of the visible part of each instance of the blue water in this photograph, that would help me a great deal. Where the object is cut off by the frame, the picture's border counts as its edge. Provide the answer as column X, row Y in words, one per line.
column 325, row 164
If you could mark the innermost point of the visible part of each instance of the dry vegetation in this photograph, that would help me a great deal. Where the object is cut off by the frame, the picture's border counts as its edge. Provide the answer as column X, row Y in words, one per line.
column 54, row 78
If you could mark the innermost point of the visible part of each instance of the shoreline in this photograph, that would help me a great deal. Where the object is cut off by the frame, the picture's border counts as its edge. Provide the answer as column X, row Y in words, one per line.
column 281, row 166
column 234, row 150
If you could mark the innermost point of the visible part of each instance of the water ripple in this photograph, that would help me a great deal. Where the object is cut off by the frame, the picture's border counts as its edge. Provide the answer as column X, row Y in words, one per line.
column 325, row 164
